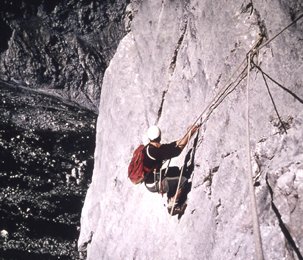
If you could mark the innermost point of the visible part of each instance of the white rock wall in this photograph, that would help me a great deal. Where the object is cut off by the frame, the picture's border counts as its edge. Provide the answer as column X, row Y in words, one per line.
column 174, row 60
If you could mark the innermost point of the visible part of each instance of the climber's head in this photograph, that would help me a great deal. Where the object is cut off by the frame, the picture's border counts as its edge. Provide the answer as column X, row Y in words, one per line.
column 154, row 133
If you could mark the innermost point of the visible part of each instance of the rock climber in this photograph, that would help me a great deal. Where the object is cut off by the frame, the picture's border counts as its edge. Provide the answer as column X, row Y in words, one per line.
column 156, row 154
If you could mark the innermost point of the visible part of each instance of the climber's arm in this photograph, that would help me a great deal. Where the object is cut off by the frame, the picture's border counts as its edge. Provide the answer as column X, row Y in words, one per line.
column 184, row 140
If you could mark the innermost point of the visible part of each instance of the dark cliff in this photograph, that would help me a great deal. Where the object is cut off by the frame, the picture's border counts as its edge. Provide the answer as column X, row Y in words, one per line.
column 62, row 47
column 52, row 60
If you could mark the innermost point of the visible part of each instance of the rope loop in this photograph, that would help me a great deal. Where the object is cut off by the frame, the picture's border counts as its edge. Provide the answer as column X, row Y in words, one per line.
column 254, row 210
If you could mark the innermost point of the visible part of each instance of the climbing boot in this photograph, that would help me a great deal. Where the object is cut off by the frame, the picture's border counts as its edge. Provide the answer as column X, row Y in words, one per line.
column 178, row 209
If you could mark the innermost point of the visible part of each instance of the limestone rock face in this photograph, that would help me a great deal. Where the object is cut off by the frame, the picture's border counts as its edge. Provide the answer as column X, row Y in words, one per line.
column 176, row 58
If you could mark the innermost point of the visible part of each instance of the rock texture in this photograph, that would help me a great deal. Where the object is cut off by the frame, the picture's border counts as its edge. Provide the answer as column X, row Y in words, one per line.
column 46, row 162
column 62, row 47
column 52, row 58
column 177, row 56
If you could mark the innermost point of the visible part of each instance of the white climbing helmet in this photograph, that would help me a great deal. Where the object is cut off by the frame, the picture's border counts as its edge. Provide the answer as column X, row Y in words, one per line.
column 153, row 132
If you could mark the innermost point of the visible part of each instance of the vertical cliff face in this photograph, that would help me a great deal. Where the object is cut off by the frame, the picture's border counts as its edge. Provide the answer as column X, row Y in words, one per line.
column 176, row 58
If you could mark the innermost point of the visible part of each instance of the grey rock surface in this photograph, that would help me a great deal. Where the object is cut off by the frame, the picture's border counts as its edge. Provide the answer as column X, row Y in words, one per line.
column 167, row 69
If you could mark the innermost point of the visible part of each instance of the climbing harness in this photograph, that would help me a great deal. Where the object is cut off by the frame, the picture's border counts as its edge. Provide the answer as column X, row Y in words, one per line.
column 156, row 186
column 256, row 226
column 166, row 170
column 153, row 187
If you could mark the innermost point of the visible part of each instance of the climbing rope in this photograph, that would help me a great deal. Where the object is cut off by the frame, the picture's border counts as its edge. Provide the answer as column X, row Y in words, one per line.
column 217, row 100
column 181, row 174
column 228, row 87
column 280, row 32
column 256, row 226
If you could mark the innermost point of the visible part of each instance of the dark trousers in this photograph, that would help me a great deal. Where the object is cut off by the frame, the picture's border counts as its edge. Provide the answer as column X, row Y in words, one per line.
column 169, row 181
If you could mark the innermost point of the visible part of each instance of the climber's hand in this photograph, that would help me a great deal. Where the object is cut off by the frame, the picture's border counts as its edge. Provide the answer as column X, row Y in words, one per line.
column 193, row 129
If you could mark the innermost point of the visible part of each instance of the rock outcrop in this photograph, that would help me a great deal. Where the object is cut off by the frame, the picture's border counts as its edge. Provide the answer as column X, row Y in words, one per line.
column 62, row 47
column 52, row 58
column 176, row 58
column 46, row 162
